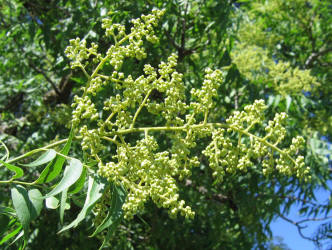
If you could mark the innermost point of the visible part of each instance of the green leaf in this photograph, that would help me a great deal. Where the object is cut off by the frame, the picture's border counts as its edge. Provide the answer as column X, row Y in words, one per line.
column 53, row 169
column 71, row 174
column 11, row 235
column 63, row 204
column 36, row 199
column 79, row 184
column 48, row 156
column 7, row 210
column 18, row 171
column 96, row 188
column 27, row 205
column 115, row 212
column 52, row 202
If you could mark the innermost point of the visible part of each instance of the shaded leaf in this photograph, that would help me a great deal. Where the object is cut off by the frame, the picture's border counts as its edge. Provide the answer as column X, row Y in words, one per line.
column 115, row 212
column 4, row 222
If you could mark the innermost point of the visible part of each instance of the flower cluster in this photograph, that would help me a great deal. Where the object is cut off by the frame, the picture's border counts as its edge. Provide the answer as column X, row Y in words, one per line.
column 255, row 64
column 147, row 174
column 143, row 166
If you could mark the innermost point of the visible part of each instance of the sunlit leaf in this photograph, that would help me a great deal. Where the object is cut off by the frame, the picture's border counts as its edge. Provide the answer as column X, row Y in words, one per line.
column 71, row 174
column 46, row 157
column 96, row 188
column 18, row 171
column 51, row 202
column 27, row 205
column 53, row 169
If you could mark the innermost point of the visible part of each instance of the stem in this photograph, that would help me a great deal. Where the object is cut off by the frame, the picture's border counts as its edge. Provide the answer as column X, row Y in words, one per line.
column 85, row 73
column 140, row 108
column 7, row 151
column 101, row 64
column 18, row 182
column 32, row 152
column 111, row 140
column 202, row 125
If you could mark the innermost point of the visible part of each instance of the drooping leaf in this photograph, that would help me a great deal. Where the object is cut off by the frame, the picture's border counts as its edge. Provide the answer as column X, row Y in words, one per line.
column 79, row 184
column 71, row 174
column 63, row 204
column 18, row 171
column 96, row 188
column 46, row 157
column 53, row 169
column 115, row 212
column 36, row 199
column 27, row 205
column 52, row 202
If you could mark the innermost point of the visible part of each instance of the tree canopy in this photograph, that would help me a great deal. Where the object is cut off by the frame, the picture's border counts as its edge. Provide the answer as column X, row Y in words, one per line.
column 163, row 124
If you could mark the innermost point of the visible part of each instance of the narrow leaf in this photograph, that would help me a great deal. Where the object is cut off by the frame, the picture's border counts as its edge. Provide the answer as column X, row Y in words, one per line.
column 115, row 212
column 18, row 171
column 53, row 169
column 110, row 232
column 7, row 210
column 96, row 188
column 10, row 235
column 71, row 174
column 48, row 156
column 63, row 204
column 79, row 184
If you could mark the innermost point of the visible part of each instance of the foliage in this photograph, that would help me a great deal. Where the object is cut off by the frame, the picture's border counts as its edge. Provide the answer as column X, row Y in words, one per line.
column 155, row 132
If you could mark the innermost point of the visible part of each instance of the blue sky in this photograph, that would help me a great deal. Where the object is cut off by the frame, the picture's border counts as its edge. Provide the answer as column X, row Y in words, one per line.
column 289, row 232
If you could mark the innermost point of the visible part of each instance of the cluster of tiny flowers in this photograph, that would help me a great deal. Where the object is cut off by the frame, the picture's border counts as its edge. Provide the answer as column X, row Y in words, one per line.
column 209, row 89
column 251, row 115
column 142, row 168
column 257, row 65
column 85, row 109
column 77, row 52
column 227, row 156
column 146, row 174
column 170, row 83
column 90, row 140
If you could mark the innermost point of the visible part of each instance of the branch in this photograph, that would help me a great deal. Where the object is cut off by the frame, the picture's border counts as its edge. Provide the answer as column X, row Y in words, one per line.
column 40, row 71
column 299, row 227
column 315, row 55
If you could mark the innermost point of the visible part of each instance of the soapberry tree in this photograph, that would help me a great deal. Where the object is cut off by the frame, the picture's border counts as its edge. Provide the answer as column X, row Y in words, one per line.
column 147, row 140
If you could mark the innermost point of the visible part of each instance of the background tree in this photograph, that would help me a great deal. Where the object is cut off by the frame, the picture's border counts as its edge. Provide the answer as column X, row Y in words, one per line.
column 270, row 50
